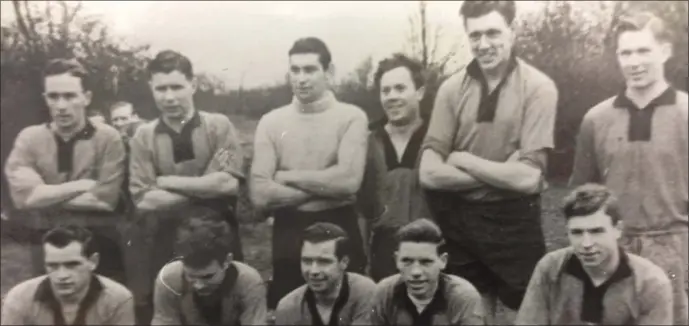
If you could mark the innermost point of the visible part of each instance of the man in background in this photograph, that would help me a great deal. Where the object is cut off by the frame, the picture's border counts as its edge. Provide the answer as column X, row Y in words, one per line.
column 124, row 118
column 636, row 143
column 308, row 164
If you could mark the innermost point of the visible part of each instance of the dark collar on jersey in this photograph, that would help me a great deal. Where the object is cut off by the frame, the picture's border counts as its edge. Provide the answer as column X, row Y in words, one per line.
column 44, row 294
column 592, row 302
column 437, row 304
column 641, row 119
column 342, row 298
column 182, row 145
column 65, row 149
column 489, row 101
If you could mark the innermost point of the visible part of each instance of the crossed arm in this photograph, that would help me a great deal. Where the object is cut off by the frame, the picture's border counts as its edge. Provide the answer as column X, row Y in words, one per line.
column 29, row 191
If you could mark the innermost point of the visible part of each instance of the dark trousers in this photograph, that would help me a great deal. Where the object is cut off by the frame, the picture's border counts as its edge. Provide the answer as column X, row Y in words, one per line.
column 288, row 228
column 383, row 247
column 107, row 243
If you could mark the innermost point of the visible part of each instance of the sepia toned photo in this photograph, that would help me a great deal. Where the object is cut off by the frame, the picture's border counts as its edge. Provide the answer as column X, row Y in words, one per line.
column 344, row 163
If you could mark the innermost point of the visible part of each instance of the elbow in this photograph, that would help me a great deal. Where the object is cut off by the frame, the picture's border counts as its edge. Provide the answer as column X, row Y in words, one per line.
column 427, row 179
column 529, row 185
column 350, row 186
column 228, row 186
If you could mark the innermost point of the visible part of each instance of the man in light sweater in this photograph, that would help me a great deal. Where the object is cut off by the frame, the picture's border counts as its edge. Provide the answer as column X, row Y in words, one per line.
column 308, row 164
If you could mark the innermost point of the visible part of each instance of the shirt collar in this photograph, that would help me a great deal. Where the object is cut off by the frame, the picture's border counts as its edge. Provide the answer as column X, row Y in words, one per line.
column 576, row 269
column 316, row 106
column 85, row 133
column 438, row 303
column 342, row 298
column 668, row 97
column 474, row 70
column 44, row 292
column 163, row 127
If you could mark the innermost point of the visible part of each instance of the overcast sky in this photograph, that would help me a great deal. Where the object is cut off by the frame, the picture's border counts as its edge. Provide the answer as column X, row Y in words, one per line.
column 229, row 39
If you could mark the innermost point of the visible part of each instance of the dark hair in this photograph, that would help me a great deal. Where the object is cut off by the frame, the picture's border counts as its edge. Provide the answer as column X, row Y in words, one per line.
column 120, row 104
column 168, row 61
column 632, row 21
column 312, row 45
column 474, row 9
column 68, row 66
column 322, row 232
column 62, row 236
column 398, row 60
column 203, row 237
column 421, row 231
column 590, row 198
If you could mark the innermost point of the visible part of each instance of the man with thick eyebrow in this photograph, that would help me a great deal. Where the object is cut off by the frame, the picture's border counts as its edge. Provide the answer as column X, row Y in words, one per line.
column 308, row 164
column 484, row 160
column 331, row 296
column 69, row 170
column 186, row 157
column 594, row 281
column 637, row 144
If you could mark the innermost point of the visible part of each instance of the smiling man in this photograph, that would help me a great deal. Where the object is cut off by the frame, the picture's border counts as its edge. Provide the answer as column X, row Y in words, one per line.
column 637, row 144
column 124, row 118
column 308, row 164
column 331, row 296
column 205, row 286
column 397, row 140
column 594, row 281
column 69, row 170
column 485, row 156
column 421, row 294
column 186, row 157
column 71, row 293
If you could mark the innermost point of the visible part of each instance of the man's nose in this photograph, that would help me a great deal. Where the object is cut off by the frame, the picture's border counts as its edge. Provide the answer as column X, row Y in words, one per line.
column 168, row 95
column 415, row 270
column 483, row 42
column 62, row 273
column 586, row 240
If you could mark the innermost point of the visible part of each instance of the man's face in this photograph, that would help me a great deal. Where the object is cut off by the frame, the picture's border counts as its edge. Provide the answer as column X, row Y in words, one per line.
column 642, row 58
column 206, row 280
column 399, row 96
column 593, row 237
column 308, row 77
column 320, row 266
column 122, row 116
column 420, row 266
column 66, row 99
column 68, row 269
column 173, row 93
column 491, row 39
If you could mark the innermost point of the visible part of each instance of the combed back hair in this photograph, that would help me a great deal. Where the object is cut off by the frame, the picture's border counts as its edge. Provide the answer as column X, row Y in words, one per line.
column 323, row 232
column 475, row 9
column 168, row 61
column 68, row 66
column 590, row 198
column 638, row 20
column 421, row 231
column 203, row 237
column 312, row 45
column 120, row 104
column 62, row 236
column 398, row 60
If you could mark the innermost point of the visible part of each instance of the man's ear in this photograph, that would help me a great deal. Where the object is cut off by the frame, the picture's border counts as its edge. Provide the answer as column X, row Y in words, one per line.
column 420, row 93
column 344, row 262
column 330, row 72
column 666, row 49
column 94, row 260
column 194, row 84
column 443, row 260
column 618, row 229
column 89, row 96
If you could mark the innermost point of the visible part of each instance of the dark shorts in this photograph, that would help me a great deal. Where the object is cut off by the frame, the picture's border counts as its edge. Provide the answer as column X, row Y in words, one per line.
column 287, row 233
column 495, row 245
column 383, row 247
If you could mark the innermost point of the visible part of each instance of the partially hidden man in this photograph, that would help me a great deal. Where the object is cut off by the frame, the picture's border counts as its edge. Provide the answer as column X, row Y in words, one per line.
column 484, row 159
column 184, row 158
column 636, row 143
column 205, row 286
column 421, row 294
column 594, row 281
column 308, row 164
column 69, row 170
column 331, row 295
column 396, row 142
column 70, row 293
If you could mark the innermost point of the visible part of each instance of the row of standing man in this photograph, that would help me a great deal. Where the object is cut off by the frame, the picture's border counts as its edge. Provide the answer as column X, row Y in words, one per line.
column 476, row 166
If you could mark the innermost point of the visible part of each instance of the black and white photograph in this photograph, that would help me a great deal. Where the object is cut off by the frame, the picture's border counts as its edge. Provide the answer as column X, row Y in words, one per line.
column 344, row 163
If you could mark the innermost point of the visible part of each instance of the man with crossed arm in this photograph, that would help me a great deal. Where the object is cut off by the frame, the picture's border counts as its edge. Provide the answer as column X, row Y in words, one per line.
column 484, row 159
column 69, row 170
column 184, row 158
column 308, row 164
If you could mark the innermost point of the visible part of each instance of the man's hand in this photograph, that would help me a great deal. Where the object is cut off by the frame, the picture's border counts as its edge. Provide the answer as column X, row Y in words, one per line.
column 283, row 177
column 163, row 181
column 220, row 161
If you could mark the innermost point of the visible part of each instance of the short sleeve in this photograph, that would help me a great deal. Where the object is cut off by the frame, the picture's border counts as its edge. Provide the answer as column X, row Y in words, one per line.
column 585, row 167
column 443, row 125
column 539, row 119
column 20, row 171
column 142, row 172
